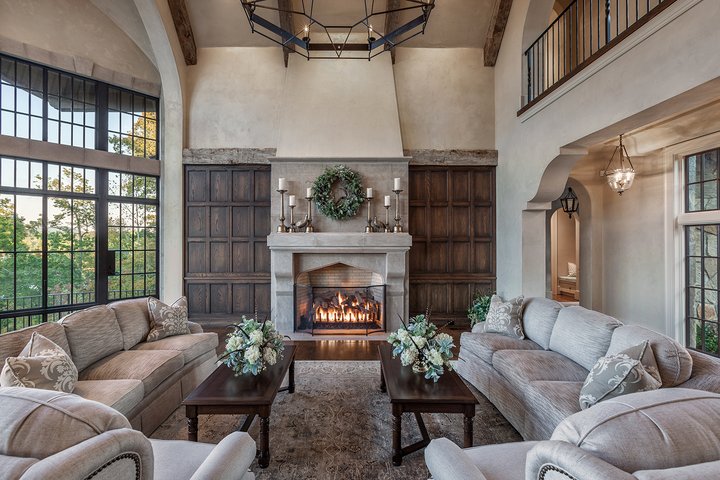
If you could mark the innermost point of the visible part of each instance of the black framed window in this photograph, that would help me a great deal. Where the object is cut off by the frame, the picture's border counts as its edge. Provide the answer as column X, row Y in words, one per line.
column 61, row 227
column 701, row 253
column 43, row 103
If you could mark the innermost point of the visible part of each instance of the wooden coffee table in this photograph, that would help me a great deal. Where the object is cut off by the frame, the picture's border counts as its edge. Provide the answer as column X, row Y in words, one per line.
column 224, row 393
column 411, row 392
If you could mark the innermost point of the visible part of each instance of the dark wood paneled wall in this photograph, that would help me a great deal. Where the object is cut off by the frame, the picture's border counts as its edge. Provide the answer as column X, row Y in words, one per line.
column 227, row 220
column 452, row 221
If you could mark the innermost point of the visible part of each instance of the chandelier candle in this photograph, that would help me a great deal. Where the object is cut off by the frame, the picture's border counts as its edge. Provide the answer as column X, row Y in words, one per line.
column 282, row 188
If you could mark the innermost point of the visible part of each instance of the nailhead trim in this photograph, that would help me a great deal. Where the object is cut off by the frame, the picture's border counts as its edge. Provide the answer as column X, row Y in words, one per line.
column 552, row 468
column 132, row 456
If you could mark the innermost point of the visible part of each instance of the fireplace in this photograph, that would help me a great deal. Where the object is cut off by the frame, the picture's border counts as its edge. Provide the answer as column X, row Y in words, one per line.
column 339, row 299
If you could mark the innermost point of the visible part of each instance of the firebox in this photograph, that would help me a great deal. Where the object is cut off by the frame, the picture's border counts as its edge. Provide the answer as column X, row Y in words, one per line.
column 339, row 299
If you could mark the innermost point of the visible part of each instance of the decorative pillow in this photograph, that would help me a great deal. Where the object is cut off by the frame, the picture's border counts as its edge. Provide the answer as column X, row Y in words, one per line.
column 572, row 269
column 620, row 374
column 167, row 320
column 505, row 317
column 41, row 364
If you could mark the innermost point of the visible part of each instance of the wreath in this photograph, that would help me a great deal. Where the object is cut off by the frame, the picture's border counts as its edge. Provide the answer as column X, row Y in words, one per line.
column 347, row 205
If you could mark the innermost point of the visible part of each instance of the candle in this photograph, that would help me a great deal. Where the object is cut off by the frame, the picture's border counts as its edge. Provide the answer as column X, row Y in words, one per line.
column 396, row 184
column 369, row 193
column 282, row 184
column 309, row 193
column 387, row 200
column 291, row 201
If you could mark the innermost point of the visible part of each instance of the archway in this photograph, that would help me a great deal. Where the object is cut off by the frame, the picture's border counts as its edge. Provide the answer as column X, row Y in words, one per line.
column 564, row 256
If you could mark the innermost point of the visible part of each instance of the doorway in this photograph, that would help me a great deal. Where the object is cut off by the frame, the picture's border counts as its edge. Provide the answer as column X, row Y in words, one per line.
column 565, row 256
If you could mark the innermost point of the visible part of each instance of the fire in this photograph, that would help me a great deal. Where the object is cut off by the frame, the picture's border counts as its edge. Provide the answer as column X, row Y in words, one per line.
column 346, row 308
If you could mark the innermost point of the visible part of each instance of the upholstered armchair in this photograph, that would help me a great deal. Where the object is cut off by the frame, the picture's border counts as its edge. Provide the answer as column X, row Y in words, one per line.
column 48, row 434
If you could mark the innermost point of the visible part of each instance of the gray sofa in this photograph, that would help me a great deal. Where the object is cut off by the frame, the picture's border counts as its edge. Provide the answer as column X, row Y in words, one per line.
column 536, row 382
column 144, row 381
column 46, row 434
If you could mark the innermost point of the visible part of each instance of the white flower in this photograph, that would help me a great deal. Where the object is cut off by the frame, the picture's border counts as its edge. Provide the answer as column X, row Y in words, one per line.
column 403, row 335
column 443, row 337
column 409, row 356
column 420, row 342
column 435, row 357
column 252, row 354
column 270, row 356
column 256, row 337
column 233, row 344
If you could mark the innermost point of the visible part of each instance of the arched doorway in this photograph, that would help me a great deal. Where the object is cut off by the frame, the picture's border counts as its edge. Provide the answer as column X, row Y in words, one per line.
column 564, row 256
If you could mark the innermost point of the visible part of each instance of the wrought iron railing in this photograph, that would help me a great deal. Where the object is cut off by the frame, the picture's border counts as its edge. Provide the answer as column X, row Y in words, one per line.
column 580, row 34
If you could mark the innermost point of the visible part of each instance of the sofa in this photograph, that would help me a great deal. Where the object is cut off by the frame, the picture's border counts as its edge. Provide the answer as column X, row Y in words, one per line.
column 145, row 381
column 535, row 382
column 45, row 434
column 665, row 434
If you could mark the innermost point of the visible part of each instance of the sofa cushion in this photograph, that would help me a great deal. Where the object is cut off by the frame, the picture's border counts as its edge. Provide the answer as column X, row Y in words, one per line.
column 539, row 317
column 620, row 374
column 500, row 461
column 484, row 345
column 92, row 334
column 151, row 367
column 134, row 320
column 122, row 395
column 167, row 320
column 519, row 367
column 673, row 360
column 41, row 364
column 582, row 335
column 705, row 470
column 191, row 346
column 39, row 423
column 15, row 467
column 705, row 373
column 551, row 403
column 11, row 344
column 505, row 317
column 669, row 427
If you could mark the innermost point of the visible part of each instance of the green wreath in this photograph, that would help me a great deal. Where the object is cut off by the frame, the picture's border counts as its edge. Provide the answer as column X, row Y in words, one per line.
column 346, row 206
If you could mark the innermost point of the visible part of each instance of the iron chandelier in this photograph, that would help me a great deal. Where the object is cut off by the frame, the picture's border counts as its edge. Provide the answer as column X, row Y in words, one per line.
column 300, row 29
column 569, row 202
column 620, row 179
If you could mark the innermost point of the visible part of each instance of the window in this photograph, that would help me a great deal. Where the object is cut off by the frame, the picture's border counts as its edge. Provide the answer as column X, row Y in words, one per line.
column 701, row 252
column 51, row 246
column 42, row 103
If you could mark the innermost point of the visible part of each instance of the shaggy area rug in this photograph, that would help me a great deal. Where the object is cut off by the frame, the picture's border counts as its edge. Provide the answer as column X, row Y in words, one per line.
column 337, row 425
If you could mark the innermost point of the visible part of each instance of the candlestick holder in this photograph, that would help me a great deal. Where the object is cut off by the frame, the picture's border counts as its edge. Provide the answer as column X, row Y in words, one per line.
column 282, row 228
column 293, row 227
column 308, row 227
column 398, row 226
column 369, row 227
column 387, row 219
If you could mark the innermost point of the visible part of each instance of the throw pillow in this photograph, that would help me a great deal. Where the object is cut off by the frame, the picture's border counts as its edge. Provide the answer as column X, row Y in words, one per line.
column 620, row 374
column 41, row 364
column 572, row 269
column 505, row 317
column 167, row 320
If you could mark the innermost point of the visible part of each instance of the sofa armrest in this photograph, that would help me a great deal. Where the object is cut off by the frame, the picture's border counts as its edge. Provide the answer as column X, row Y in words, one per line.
column 229, row 460
column 121, row 453
column 479, row 327
column 195, row 327
column 447, row 461
column 556, row 459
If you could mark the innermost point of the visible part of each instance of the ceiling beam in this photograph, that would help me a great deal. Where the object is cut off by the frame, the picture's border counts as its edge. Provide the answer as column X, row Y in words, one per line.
column 181, row 19
column 286, row 23
column 496, row 30
column 392, row 23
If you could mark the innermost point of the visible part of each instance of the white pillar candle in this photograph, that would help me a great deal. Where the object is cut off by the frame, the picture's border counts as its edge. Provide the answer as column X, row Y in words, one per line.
column 369, row 193
column 387, row 200
column 309, row 193
column 291, row 200
column 396, row 184
column 282, row 184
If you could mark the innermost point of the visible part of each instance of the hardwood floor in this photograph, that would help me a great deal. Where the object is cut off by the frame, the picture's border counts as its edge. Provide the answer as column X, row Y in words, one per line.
column 339, row 349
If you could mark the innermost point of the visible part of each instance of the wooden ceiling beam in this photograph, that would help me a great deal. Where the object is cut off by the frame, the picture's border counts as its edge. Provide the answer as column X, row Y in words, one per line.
column 181, row 19
column 496, row 30
column 392, row 22
column 288, row 24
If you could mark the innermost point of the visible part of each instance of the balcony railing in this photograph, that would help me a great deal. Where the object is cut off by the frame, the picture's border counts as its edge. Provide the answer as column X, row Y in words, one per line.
column 582, row 32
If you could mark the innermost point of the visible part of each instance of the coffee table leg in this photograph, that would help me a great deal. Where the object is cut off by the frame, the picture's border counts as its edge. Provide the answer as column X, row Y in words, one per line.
column 468, row 429
column 264, row 460
column 192, row 422
column 383, row 387
column 291, row 384
column 397, row 433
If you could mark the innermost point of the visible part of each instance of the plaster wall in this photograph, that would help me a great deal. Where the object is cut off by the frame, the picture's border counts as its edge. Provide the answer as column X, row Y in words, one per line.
column 652, row 72
column 74, row 27
column 445, row 98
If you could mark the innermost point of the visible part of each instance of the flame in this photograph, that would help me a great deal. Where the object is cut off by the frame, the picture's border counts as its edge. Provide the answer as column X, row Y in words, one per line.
column 343, row 311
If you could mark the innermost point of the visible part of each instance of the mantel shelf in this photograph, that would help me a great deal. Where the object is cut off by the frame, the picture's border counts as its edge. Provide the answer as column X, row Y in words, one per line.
column 339, row 241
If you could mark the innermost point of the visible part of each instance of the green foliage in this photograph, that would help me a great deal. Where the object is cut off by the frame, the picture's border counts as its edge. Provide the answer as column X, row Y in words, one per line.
column 711, row 339
column 349, row 182
column 420, row 344
column 479, row 308
column 252, row 346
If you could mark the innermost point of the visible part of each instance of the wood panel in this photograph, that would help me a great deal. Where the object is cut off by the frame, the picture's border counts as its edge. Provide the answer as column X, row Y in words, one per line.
column 227, row 262
column 452, row 221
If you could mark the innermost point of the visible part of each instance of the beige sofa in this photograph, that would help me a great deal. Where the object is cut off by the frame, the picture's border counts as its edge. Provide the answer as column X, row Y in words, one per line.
column 146, row 382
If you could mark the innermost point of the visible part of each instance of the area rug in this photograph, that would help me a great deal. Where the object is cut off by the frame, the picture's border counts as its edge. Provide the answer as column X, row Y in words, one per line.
column 337, row 425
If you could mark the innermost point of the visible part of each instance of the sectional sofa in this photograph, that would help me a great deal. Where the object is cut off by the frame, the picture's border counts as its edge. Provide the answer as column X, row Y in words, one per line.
column 145, row 381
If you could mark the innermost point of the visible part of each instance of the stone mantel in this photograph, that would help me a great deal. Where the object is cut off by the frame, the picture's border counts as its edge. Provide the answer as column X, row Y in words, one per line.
column 339, row 242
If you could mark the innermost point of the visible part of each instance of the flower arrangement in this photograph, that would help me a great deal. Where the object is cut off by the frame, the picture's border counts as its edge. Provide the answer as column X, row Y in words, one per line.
column 252, row 346
column 420, row 344
column 479, row 308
